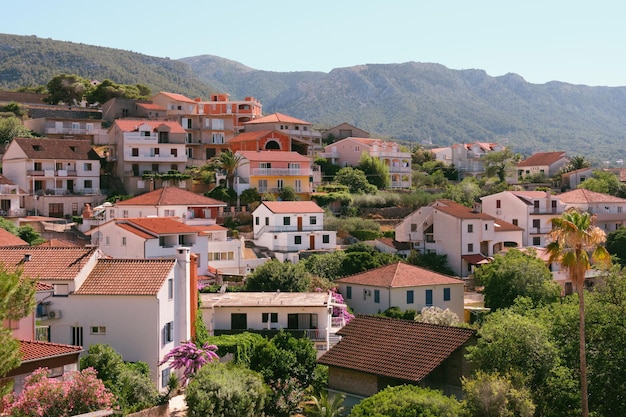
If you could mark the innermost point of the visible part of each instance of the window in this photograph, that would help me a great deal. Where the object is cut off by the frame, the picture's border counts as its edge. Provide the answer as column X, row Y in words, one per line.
column 88, row 183
column 38, row 166
column 470, row 228
column 410, row 297
column 77, row 335
column 286, row 221
column 162, row 241
column 325, row 238
column 536, row 223
column 256, row 220
column 498, row 204
column 174, row 152
column 165, row 377
column 262, row 186
column 272, row 317
column 536, row 241
column 107, row 240
column 267, row 221
column 98, row 330
column 58, row 166
column 377, row 296
column 168, row 332
column 515, row 222
column 429, row 297
column 470, row 247
column 298, row 186
column 135, row 152
column 313, row 220
column 446, row 294
column 125, row 214
column 280, row 184
column 349, row 292
column 486, row 227
column 88, row 166
column 170, row 289
column 123, row 240
column 238, row 321
column 297, row 240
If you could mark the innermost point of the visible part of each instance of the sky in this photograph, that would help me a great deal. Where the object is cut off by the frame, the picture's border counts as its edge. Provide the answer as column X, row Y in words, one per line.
column 577, row 42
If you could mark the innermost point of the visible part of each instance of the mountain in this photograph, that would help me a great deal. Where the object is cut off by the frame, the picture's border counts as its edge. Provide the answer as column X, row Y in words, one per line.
column 416, row 102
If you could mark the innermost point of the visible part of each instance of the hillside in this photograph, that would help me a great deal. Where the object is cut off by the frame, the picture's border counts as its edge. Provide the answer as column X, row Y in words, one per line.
column 416, row 102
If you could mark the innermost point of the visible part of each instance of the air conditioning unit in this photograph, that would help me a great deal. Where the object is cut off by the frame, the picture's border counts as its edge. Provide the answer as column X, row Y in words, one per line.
column 498, row 212
column 54, row 314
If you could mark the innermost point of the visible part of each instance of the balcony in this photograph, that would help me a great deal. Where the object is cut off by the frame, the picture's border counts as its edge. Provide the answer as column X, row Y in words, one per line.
column 281, row 172
column 551, row 210
column 51, row 173
column 13, row 213
column 156, row 157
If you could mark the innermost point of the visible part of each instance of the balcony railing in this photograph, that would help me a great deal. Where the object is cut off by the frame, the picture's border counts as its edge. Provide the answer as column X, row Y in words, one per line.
column 51, row 173
column 282, row 172
column 13, row 213
column 289, row 228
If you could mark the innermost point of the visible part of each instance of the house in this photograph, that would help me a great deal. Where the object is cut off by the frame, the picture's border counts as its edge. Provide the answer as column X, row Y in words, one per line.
column 344, row 130
column 348, row 152
column 11, row 199
column 146, row 151
column 126, row 108
column 530, row 210
column 466, row 236
column 401, row 285
column 546, row 164
column 240, row 111
column 260, row 140
column 68, row 128
column 311, row 314
column 60, row 175
column 377, row 352
column 609, row 211
column 390, row 245
column 286, row 228
column 304, row 139
column 572, row 179
column 271, row 171
column 467, row 157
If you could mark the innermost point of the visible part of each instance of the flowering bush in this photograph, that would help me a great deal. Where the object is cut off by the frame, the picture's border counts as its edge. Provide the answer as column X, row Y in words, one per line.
column 190, row 357
column 284, row 397
column 75, row 393
column 436, row 315
column 340, row 311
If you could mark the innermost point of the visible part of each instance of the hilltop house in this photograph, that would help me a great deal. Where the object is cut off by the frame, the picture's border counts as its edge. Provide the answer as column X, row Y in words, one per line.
column 467, row 157
column 303, row 139
column 546, row 164
column 609, row 211
column 401, row 285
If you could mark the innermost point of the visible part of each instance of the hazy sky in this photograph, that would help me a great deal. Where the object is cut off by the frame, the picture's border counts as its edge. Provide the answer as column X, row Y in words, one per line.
column 579, row 42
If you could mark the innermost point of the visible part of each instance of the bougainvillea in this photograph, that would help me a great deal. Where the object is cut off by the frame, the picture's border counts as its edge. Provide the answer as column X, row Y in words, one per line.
column 340, row 311
column 190, row 357
column 75, row 393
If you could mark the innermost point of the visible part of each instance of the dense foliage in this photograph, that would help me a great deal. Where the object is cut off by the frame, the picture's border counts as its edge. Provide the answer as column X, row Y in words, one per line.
column 276, row 275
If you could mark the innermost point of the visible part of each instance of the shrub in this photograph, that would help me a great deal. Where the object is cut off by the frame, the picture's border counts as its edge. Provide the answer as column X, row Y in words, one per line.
column 365, row 234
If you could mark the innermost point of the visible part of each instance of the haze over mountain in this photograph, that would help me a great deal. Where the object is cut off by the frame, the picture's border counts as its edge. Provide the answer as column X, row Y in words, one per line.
column 411, row 101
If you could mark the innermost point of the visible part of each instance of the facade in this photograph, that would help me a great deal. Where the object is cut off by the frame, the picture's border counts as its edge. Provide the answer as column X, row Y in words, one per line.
column 289, row 227
column 377, row 352
column 239, row 111
column 466, row 157
column 345, row 130
column 467, row 236
column 145, row 147
column 68, row 128
column 571, row 180
column 309, row 313
column 260, row 140
column 125, row 108
column 609, row 211
column 271, row 171
column 304, row 139
column 540, row 163
column 12, row 199
column 530, row 210
column 401, row 285
column 348, row 152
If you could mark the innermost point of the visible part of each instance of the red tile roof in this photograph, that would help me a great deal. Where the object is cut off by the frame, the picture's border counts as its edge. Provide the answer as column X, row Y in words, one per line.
column 277, row 118
column 285, row 207
column 4, row 180
column 582, row 196
column 475, row 259
column 45, row 148
column 47, row 263
column 60, row 243
column 127, row 277
column 33, row 350
column 399, row 275
column 460, row 211
column 131, row 125
column 158, row 225
column 502, row 226
column 9, row 239
column 171, row 196
column 542, row 158
column 178, row 97
column 151, row 106
column 253, row 136
column 42, row 286
column 401, row 349
column 274, row 156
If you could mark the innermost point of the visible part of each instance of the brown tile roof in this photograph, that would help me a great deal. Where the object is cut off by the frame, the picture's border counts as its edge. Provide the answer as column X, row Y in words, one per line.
column 45, row 148
column 528, row 196
column 178, row 97
column 171, row 196
column 399, row 275
column 542, row 158
column 151, row 106
column 131, row 228
column 502, row 226
column 402, row 349
column 158, row 225
column 42, row 286
column 127, row 277
column 131, row 125
column 9, row 239
column 33, row 350
column 253, row 136
column 5, row 181
column 459, row 211
column 274, row 156
column 277, row 118
column 47, row 263
column 392, row 243
column 582, row 196
column 60, row 243
column 284, row 207
column 476, row 259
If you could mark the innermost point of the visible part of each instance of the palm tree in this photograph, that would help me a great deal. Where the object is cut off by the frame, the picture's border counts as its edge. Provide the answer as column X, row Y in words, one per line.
column 228, row 162
column 327, row 407
column 575, row 243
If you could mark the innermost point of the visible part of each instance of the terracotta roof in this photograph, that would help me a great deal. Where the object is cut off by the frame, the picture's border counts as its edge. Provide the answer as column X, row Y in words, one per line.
column 401, row 349
column 460, row 211
column 9, row 239
column 33, row 350
column 47, row 263
column 151, row 106
column 171, row 196
column 131, row 125
column 502, row 226
column 5, row 181
column 285, row 207
column 127, row 277
column 158, row 225
column 274, row 156
column 528, row 196
column 45, row 148
column 42, row 286
column 277, row 118
column 392, row 243
column 253, row 136
column 131, row 228
column 60, row 243
column 178, row 97
column 476, row 259
column 399, row 275
column 542, row 158
column 582, row 196
column 576, row 172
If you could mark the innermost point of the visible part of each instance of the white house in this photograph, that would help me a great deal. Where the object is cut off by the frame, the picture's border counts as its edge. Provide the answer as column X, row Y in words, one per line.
column 610, row 211
column 11, row 199
column 467, row 157
column 540, row 163
column 467, row 236
column 314, row 314
column 288, row 227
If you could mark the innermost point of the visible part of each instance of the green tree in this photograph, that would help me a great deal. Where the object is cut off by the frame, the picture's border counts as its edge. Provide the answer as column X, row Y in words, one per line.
column 419, row 155
column 12, row 127
column 355, row 180
column 431, row 261
column 288, row 194
column 225, row 390
column 108, row 89
column 467, row 192
column 408, row 400
column 616, row 245
column 276, row 275
column 8, row 225
column 28, row 234
column 67, row 88
column 493, row 395
column 575, row 243
column 497, row 164
column 227, row 195
column 249, row 196
column 514, row 274
column 575, row 163
column 376, row 172
column 228, row 162
column 326, row 265
column 606, row 183
column 437, row 315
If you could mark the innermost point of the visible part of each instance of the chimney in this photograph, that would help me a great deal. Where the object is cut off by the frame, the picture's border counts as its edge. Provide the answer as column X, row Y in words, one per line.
column 27, row 257
column 193, row 292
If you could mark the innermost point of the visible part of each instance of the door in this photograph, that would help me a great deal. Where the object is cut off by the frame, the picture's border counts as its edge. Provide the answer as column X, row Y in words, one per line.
column 238, row 321
column 311, row 242
column 299, row 224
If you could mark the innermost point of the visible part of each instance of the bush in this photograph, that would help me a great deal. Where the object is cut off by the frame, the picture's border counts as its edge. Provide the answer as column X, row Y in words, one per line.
column 362, row 234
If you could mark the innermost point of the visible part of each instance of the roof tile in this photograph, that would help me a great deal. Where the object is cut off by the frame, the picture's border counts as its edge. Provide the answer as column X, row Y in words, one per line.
column 399, row 275
column 171, row 196
column 32, row 350
column 47, row 263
